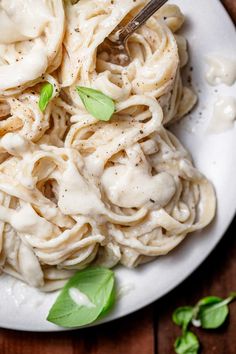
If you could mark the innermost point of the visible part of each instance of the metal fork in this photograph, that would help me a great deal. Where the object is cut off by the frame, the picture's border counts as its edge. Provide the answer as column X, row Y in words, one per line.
column 117, row 45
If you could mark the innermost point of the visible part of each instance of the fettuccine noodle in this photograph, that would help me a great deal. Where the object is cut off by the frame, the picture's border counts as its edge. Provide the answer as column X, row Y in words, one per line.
column 74, row 190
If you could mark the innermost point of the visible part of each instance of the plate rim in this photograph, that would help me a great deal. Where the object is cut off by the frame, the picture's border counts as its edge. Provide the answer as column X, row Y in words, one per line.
column 152, row 299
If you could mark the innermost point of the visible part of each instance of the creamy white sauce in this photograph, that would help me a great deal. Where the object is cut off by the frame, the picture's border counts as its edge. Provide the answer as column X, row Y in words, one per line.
column 27, row 221
column 125, row 290
column 77, row 196
column 15, row 144
column 17, row 296
column 20, row 294
column 29, row 266
column 80, row 298
column 30, row 67
column 224, row 115
column 130, row 186
column 18, row 19
column 221, row 70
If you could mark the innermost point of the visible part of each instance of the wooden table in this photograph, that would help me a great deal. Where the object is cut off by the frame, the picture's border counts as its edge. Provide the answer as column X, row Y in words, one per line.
column 150, row 330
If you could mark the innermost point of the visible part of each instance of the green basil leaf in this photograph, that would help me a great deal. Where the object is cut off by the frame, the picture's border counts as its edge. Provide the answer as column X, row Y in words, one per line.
column 212, row 317
column 46, row 94
column 205, row 301
column 209, row 300
column 187, row 344
column 110, row 303
column 183, row 316
column 213, row 311
column 97, row 284
column 96, row 103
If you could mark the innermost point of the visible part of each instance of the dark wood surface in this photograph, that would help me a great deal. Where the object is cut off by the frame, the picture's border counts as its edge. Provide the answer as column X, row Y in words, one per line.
column 150, row 330
column 230, row 5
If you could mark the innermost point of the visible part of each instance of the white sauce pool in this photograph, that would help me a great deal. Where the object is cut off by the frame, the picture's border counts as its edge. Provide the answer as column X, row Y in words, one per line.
column 224, row 115
column 125, row 290
column 130, row 186
column 221, row 70
column 80, row 298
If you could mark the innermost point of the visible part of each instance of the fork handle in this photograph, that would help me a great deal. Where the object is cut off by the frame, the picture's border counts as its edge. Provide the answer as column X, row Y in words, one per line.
column 140, row 19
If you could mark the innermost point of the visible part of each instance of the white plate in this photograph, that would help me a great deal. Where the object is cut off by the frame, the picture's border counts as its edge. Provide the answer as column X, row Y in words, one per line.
column 209, row 31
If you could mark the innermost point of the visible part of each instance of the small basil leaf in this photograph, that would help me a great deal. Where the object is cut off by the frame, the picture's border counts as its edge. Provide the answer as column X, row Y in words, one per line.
column 187, row 344
column 213, row 311
column 96, row 103
column 205, row 301
column 46, row 94
column 209, row 300
column 183, row 316
column 110, row 303
column 97, row 284
column 212, row 316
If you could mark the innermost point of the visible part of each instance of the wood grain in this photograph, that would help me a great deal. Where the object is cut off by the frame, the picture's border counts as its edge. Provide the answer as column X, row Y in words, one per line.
column 149, row 331
column 133, row 332
column 126, row 335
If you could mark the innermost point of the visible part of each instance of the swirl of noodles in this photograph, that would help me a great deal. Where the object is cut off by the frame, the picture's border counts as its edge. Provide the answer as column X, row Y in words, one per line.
column 152, row 48
column 75, row 190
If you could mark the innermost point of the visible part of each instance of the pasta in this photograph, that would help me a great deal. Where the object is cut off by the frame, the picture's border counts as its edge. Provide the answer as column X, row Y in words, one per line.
column 74, row 190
